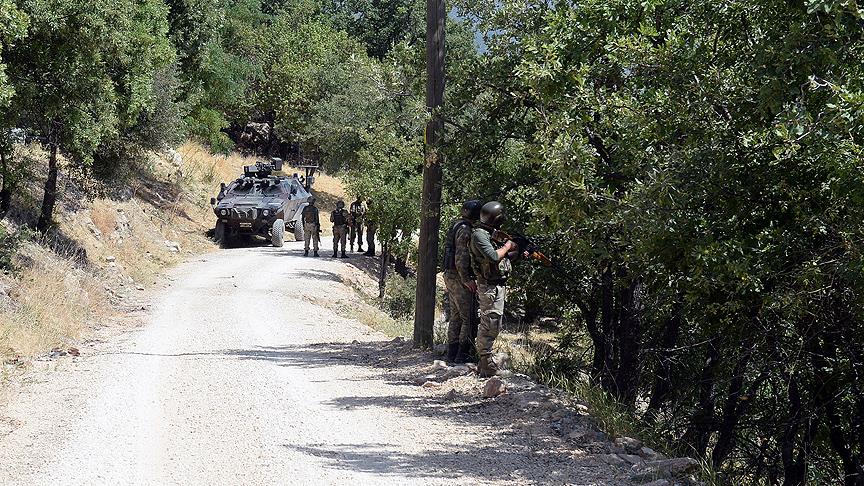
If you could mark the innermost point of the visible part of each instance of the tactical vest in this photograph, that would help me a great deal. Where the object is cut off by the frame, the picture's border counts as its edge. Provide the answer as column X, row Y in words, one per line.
column 339, row 218
column 450, row 245
column 488, row 272
column 310, row 215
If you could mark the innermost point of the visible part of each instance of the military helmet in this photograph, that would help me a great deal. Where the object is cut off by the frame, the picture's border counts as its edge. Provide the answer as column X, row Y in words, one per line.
column 310, row 200
column 340, row 204
column 471, row 210
column 492, row 214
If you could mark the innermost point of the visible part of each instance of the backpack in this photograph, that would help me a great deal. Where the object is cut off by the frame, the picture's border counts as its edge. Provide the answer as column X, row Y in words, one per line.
column 450, row 245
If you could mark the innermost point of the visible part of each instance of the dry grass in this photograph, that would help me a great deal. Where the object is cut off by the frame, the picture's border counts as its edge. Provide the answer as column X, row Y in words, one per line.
column 52, row 302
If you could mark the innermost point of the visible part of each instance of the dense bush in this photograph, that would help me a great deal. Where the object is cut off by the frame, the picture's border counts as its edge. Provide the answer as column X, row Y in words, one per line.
column 399, row 296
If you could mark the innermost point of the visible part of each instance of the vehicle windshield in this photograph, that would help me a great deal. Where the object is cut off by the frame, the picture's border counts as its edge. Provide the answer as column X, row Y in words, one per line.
column 267, row 188
column 297, row 189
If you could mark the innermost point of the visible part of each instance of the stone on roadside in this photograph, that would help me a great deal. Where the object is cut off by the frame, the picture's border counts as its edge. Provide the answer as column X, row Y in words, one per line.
column 423, row 379
column 679, row 467
column 431, row 384
column 172, row 246
column 613, row 460
column 649, row 453
column 439, row 365
column 631, row 458
column 581, row 435
column 494, row 386
column 581, row 408
column 659, row 482
column 503, row 361
column 629, row 444
column 110, row 259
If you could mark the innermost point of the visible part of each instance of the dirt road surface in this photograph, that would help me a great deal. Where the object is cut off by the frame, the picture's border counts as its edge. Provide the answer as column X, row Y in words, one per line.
column 238, row 377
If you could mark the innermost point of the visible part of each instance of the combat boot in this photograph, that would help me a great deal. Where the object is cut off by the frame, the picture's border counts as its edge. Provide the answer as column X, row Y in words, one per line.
column 352, row 247
column 464, row 354
column 315, row 254
column 486, row 368
column 453, row 353
column 359, row 249
column 344, row 255
column 306, row 253
column 335, row 254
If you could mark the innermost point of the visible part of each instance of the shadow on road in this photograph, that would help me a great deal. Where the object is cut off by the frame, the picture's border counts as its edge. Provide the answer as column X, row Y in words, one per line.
column 520, row 443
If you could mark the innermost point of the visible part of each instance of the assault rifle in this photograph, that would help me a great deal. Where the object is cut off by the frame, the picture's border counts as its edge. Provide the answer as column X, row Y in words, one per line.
column 524, row 244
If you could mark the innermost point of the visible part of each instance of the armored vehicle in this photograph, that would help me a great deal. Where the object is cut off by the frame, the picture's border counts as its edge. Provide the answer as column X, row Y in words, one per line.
column 260, row 203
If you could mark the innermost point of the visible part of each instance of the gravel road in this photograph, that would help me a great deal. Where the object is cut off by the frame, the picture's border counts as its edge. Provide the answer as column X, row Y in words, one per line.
column 239, row 378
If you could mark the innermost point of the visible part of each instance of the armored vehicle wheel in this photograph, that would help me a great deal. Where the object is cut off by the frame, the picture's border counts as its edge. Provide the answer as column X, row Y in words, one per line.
column 221, row 234
column 277, row 235
column 298, row 231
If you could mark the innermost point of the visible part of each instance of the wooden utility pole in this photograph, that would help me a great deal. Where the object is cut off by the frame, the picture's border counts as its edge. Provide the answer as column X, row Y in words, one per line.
column 430, row 209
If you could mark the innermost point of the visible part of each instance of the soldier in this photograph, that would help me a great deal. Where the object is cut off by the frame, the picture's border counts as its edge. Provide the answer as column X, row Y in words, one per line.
column 371, row 227
column 491, row 263
column 460, row 283
column 339, row 218
column 311, row 227
column 358, row 213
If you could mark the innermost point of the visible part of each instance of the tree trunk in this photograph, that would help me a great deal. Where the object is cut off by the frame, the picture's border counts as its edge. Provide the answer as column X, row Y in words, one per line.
column 6, row 190
column 732, row 412
column 603, row 362
column 382, row 272
column 430, row 207
column 629, row 350
column 663, row 380
column 795, row 468
column 702, row 421
column 50, row 197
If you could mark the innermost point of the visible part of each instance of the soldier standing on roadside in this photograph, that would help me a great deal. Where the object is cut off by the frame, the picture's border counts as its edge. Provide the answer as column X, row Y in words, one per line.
column 358, row 214
column 311, row 227
column 460, row 284
column 371, row 227
column 491, row 262
column 339, row 218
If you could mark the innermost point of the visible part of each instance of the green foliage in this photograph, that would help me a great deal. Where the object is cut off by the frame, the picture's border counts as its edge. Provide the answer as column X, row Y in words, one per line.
column 9, row 244
column 379, row 24
column 13, row 27
column 85, row 74
column 399, row 297
column 692, row 166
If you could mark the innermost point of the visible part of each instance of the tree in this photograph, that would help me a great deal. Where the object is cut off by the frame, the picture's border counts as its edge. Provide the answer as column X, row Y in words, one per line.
column 688, row 163
column 85, row 72
column 13, row 27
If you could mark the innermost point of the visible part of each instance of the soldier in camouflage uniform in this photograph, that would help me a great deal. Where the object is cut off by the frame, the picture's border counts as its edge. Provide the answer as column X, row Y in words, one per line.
column 311, row 227
column 491, row 263
column 460, row 284
column 358, row 214
column 339, row 218
column 371, row 228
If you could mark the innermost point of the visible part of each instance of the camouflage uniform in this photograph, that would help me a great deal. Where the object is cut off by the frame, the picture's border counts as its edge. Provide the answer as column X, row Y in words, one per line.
column 371, row 227
column 339, row 218
column 311, row 226
column 457, row 273
column 358, row 213
column 492, row 274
